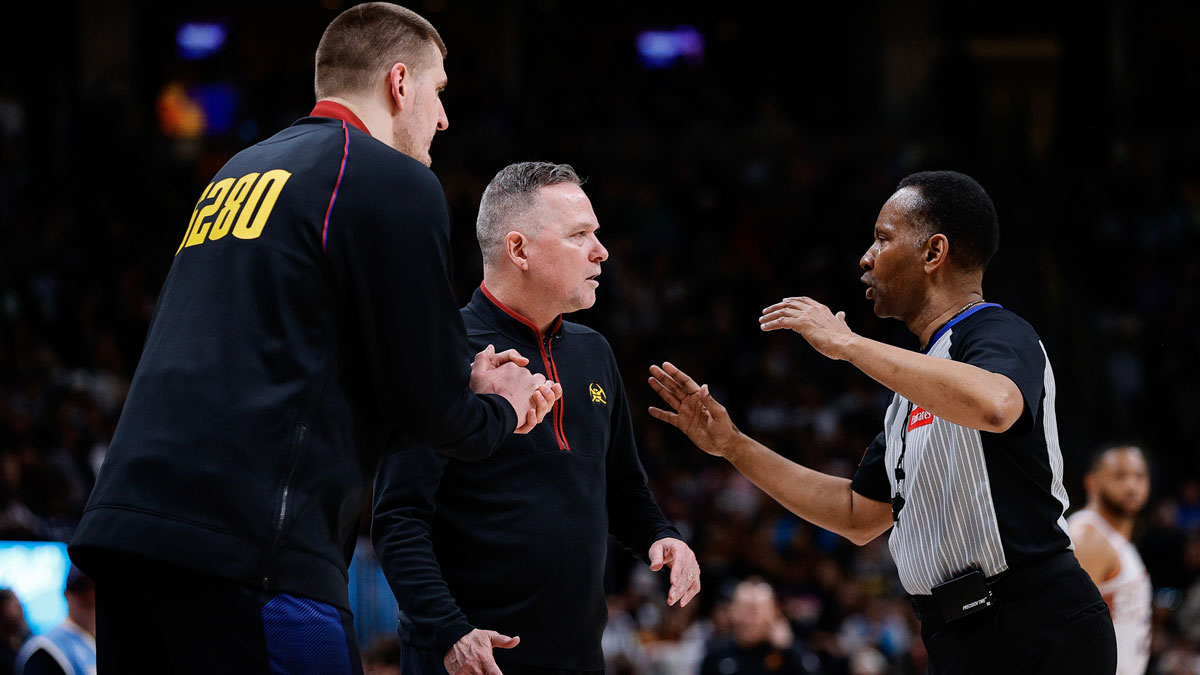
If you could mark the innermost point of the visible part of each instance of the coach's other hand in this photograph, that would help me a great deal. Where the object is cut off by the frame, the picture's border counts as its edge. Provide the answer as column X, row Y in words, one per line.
column 543, row 400
column 696, row 412
column 472, row 654
column 530, row 394
column 685, row 571
column 825, row 331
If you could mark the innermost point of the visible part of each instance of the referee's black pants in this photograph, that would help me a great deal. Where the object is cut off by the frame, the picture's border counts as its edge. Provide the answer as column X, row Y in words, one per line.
column 1047, row 619
column 152, row 617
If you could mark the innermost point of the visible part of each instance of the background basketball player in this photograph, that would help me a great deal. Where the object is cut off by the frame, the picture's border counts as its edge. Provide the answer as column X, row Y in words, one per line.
column 1117, row 485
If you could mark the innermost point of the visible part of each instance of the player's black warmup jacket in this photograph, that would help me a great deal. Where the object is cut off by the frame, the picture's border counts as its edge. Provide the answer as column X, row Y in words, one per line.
column 516, row 543
column 308, row 319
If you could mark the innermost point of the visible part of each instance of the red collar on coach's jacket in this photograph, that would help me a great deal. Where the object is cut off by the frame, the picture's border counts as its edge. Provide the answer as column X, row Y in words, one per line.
column 507, row 320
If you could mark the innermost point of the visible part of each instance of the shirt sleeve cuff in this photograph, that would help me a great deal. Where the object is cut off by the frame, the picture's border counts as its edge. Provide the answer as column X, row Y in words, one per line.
column 879, row 491
column 669, row 531
column 445, row 637
column 506, row 410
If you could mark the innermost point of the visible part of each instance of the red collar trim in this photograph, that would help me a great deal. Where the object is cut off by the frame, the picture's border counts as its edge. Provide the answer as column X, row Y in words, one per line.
column 337, row 111
column 513, row 313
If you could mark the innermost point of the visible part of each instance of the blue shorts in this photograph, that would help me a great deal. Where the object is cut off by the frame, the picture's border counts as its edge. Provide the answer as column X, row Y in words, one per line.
column 152, row 617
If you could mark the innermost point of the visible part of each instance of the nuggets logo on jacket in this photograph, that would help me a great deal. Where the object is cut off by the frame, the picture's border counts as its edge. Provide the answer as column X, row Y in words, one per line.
column 920, row 417
column 597, row 393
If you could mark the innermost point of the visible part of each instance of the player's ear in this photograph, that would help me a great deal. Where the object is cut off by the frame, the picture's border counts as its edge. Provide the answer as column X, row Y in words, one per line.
column 937, row 249
column 515, row 246
column 398, row 80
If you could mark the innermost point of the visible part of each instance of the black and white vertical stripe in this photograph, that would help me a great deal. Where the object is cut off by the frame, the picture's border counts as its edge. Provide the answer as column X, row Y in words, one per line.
column 948, row 524
column 1052, row 446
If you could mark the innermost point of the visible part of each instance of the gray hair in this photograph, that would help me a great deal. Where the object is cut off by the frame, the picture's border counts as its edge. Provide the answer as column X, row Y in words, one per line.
column 511, row 192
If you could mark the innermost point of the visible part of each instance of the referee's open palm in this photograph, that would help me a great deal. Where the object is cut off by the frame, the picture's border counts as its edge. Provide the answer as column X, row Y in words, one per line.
column 823, row 329
column 696, row 413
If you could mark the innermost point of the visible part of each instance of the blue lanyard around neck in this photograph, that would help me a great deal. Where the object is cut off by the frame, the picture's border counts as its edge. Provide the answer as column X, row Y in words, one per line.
column 950, row 324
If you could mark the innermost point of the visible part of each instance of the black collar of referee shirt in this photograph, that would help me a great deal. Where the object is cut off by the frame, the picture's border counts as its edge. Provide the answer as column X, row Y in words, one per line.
column 337, row 111
column 509, row 322
column 962, row 314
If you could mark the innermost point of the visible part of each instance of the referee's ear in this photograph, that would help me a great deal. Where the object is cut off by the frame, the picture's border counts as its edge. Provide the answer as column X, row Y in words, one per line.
column 937, row 251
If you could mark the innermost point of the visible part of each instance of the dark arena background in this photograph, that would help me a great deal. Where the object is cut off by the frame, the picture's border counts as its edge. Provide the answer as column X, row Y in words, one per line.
column 735, row 155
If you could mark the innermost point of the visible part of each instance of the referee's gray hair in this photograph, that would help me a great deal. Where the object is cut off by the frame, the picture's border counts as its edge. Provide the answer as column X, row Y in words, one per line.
column 511, row 191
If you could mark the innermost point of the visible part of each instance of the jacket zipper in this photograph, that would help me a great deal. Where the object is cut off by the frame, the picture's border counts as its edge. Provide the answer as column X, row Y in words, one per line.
column 280, row 518
column 560, row 433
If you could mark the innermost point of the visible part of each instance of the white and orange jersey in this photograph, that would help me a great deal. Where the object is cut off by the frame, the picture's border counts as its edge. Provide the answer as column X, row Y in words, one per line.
column 1128, row 594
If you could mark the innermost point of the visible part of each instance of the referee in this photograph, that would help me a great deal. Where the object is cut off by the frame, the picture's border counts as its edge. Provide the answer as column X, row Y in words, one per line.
column 967, row 471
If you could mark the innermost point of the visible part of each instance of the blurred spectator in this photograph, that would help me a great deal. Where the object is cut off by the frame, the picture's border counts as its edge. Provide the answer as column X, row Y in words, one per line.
column 623, row 651
column 760, row 640
column 13, row 630
column 383, row 657
column 867, row 661
column 677, row 646
column 1189, row 506
column 70, row 647
column 882, row 624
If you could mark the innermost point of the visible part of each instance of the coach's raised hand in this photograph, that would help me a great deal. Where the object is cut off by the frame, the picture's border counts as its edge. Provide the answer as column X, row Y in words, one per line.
column 530, row 394
column 696, row 412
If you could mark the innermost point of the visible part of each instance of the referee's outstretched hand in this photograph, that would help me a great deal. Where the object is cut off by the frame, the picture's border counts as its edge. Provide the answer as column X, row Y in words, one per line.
column 824, row 330
column 695, row 412
column 472, row 654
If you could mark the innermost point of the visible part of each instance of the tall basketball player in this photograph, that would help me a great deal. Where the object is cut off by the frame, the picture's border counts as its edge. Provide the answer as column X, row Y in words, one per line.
column 1117, row 485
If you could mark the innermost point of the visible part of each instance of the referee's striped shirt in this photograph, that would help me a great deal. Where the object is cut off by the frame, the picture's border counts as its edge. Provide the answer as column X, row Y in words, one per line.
column 973, row 499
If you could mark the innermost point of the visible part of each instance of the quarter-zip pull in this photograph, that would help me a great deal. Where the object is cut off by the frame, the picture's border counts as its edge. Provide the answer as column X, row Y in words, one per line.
column 544, row 341
column 560, row 432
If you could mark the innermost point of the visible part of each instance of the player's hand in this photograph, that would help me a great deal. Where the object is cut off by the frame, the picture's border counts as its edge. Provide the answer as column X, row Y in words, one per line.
column 472, row 654
column 530, row 394
column 696, row 412
column 685, row 571
column 825, row 331
column 543, row 400
column 488, row 360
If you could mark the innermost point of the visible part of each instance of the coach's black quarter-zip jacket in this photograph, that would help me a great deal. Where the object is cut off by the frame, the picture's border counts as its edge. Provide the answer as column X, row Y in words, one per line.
column 307, row 319
column 516, row 542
